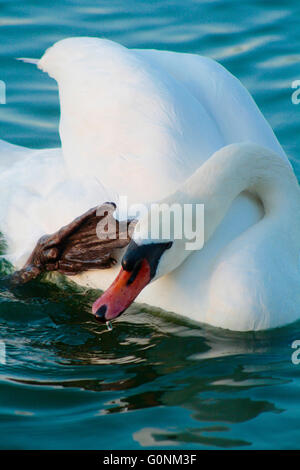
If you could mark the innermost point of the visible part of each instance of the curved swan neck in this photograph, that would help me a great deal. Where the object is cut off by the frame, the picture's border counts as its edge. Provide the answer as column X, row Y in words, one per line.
column 239, row 167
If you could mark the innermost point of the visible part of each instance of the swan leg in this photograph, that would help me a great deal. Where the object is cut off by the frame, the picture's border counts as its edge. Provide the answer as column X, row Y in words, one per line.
column 76, row 247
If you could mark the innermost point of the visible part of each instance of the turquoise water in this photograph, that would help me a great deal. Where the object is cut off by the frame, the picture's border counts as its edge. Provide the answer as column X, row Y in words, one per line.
column 154, row 381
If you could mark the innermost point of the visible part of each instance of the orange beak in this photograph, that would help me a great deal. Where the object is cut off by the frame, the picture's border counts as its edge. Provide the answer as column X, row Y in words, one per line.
column 122, row 292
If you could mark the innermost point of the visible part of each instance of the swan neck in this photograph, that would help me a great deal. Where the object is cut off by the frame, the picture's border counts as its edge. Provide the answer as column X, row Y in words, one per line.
column 240, row 167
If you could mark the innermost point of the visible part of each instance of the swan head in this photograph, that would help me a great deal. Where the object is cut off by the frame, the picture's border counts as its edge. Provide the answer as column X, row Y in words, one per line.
column 139, row 268
column 148, row 257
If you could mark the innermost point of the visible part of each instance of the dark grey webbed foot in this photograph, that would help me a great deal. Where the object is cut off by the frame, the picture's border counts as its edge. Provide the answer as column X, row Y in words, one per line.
column 76, row 247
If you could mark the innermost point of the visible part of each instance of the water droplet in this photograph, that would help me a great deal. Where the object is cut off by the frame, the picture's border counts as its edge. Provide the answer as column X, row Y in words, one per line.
column 109, row 325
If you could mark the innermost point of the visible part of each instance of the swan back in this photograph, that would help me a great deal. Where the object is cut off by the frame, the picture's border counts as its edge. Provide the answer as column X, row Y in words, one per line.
column 130, row 116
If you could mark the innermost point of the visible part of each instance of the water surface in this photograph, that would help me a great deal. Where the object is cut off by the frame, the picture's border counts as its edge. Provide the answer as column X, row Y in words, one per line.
column 154, row 381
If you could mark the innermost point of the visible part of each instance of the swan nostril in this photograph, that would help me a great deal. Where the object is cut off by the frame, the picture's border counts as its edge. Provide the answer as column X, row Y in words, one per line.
column 100, row 314
column 127, row 264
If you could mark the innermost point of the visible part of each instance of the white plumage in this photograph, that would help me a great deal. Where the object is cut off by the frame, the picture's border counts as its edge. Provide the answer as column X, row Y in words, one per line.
column 136, row 123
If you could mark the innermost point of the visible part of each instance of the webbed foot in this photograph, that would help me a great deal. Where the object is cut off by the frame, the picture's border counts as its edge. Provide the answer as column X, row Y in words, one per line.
column 76, row 247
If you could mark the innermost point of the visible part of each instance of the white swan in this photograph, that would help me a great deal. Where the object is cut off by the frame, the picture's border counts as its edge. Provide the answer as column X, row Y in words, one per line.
column 137, row 122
